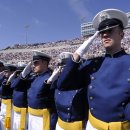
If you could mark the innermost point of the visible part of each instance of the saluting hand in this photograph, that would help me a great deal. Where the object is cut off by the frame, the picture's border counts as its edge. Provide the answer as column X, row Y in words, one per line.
column 84, row 47
column 26, row 70
column 11, row 77
column 54, row 75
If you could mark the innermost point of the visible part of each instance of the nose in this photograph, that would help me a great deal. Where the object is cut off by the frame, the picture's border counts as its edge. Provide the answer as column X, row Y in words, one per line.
column 105, row 34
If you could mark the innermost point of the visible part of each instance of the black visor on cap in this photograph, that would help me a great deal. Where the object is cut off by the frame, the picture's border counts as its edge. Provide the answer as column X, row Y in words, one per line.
column 109, row 23
column 20, row 67
column 10, row 68
column 40, row 57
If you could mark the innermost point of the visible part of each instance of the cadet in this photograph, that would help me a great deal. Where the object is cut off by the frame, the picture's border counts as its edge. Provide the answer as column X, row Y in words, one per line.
column 106, row 78
column 6, row 95
column 39, row 94
column 1, row 72
column 19, row 100
column 1, row 66
column 70, row 105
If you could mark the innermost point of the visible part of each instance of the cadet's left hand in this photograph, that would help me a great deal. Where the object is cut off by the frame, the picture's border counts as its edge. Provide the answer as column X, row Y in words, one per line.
column 54, row 75
column 11, row 77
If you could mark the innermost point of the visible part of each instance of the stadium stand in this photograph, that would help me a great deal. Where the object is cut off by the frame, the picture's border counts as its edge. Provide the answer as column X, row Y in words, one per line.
column 19, row 52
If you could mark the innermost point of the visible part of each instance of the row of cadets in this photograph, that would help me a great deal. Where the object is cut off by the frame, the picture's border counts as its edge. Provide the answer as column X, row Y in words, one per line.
column 6, row 96
column 70, row 104
column 41, row 115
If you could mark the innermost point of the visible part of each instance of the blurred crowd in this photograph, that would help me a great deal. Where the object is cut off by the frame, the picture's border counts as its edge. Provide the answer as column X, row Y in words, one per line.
column 23, row 52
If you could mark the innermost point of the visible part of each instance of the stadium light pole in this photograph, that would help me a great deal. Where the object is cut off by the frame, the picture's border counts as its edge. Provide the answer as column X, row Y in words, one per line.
column 26, row 31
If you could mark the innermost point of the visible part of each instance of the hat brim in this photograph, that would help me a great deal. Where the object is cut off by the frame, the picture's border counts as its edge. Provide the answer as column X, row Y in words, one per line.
column 35, row 60
column 40, row 55
column 107, row 28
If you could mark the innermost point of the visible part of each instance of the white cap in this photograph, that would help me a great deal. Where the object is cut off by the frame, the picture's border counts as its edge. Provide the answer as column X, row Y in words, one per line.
column 109, row 14
column 21, row 64
column 62, row 58
column 37, row 55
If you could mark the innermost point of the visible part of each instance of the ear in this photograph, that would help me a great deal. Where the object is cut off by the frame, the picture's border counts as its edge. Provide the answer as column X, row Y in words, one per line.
column 122, row 34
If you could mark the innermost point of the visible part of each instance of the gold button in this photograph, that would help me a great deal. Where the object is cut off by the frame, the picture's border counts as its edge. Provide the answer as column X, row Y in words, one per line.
column 90, row 87
column 91, row 98
column 67, row 120
column 128, row 80
column 68, row 114
column 68, row 108
column 92, row 78
column 91, row 108
column 123, row 103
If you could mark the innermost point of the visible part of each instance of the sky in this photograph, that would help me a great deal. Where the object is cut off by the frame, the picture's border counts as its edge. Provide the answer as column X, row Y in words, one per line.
column 38, row 21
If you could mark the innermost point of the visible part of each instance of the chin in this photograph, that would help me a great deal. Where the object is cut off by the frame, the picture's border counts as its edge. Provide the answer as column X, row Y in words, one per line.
column 107, row 45
column 35, row 71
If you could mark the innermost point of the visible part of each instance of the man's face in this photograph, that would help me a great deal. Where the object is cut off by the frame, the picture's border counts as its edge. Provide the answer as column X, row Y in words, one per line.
column 112, row 37
column 7, row 73
column 39, row 66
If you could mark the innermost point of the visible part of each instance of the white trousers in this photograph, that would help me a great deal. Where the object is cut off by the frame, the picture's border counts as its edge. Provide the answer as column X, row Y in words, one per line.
column 90, row 127
column 16, row 122
column 2, row 117
column 35, row 122
column 58, row 127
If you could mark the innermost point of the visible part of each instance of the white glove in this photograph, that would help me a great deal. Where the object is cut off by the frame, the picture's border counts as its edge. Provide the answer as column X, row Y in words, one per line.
column 54, row 75
column 84, row 47
column 11, row 77
column 26, row 70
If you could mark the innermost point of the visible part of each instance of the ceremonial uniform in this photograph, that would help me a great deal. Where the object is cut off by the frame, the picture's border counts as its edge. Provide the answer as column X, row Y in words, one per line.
column 70, row 104
column 20, row 103
column 39, row 96
column 106, row 79
column 6, row 95
column 108, row 89
column 71, row 109
column 1, row 74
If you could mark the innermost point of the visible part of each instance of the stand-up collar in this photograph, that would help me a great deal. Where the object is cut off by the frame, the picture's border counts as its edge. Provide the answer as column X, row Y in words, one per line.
column 117, row 54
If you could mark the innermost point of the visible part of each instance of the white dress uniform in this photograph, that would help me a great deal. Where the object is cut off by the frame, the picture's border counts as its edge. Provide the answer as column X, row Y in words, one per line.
column 16, row 121
column 35, row 122
column 90, row 127
column 58, row 127
column 2, row 117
